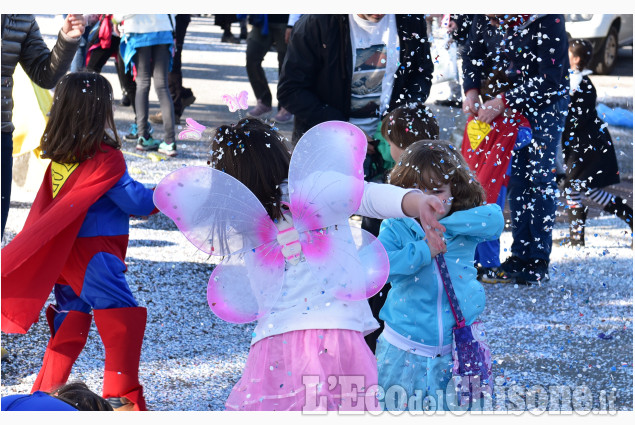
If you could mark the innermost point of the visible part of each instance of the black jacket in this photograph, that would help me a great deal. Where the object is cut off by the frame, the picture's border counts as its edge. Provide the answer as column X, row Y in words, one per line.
column 22, row 43
column 534, row 57
column 588, row 150
column 315, row 80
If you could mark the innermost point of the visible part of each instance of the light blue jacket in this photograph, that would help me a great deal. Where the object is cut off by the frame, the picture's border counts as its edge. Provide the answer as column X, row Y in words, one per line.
column 417, row 306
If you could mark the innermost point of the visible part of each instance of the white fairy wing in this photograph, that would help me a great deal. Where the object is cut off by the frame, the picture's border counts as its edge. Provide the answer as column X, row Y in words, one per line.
column 245, row 286
column 326, row 175
column 215, row 212
column 347, row 260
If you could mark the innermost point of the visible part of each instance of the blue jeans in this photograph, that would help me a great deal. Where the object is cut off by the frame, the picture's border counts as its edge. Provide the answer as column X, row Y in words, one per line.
column 7, row 175
column 488, row 253
column 532, row 185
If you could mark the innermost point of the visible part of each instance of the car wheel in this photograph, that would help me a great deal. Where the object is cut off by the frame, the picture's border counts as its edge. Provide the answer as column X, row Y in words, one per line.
column 607, row 54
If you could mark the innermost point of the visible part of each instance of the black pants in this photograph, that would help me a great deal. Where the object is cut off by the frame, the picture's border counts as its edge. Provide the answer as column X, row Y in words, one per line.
column 99, row 57
column 175, row 77
column 257, row 47
column 7, row 175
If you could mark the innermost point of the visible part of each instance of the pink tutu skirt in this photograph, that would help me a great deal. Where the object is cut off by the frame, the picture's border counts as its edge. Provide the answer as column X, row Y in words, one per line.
column 314, row 369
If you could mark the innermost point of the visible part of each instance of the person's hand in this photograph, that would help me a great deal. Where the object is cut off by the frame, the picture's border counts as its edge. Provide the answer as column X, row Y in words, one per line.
column 74, row 25
column 471, row 102
column 491, row 109
column 430, row 209
column 287, row 35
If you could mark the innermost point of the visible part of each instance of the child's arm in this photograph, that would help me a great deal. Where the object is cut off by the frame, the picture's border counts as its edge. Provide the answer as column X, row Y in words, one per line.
column 483, row 223
column 406, row 255
column 132, row 197
column 388, row 201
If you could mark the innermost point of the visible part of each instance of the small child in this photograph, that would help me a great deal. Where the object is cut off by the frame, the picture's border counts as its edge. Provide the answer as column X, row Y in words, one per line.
column 487, row 149
column 400, row 128
column 75, row 240
column 589, row 155
column 415, row 349
column 406, row 125
column 305, row 332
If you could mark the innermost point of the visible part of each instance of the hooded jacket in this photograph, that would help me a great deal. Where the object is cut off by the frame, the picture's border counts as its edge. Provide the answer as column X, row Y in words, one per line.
column 316, row 75
column 417, row 307
column 22, row 43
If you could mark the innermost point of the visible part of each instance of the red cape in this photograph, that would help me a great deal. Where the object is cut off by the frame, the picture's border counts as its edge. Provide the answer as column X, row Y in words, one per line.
column 488, row 151
column 33, row 260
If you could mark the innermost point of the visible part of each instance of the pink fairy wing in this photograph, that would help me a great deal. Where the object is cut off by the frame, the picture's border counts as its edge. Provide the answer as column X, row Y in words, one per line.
column 245, row 286
column 326, row 175
column 215, row 212
column 347, row 260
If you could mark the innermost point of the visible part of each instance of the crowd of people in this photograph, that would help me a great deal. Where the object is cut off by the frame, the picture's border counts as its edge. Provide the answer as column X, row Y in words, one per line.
column 356, row 84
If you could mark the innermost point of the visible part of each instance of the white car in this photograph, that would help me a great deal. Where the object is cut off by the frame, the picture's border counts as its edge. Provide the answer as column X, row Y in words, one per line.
column 605, row 32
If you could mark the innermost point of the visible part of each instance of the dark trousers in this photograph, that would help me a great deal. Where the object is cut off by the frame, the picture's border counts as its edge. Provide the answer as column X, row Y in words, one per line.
column 257, row 47
column 175, row 77
column 99, row 57
column 7, row 175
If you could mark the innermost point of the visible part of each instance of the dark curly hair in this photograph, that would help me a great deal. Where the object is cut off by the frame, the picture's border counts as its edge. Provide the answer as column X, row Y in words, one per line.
column 409, row 123
column 582, row 49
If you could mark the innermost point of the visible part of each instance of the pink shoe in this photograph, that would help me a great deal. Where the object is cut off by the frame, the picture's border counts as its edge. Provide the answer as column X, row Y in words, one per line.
column 259, row 110
column 283, row 115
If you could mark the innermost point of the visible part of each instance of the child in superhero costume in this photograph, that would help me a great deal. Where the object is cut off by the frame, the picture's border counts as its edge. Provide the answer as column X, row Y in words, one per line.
column 75, row 240
column 487, row 149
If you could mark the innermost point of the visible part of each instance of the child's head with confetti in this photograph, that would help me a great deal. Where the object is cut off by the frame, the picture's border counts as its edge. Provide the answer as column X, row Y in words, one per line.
column 437, row 168
column 580, row 53
column 406, row 125
column 80, row 116
column 254, row 153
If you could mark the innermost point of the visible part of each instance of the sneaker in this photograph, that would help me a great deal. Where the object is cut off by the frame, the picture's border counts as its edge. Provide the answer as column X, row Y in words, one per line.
column 148, row 144
column 283, row 116
column 259, row 110
column 536, row 272
column 491, row 275
column 133, row 134
column 168, row 149
column 506, row 273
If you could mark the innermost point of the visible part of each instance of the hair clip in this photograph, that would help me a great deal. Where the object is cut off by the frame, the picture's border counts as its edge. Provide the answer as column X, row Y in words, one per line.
column 192, row 131
column 236, row 103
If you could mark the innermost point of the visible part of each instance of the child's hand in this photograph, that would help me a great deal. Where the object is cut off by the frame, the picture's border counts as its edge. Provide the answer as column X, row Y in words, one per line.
column 428, row 208
column 434, row 250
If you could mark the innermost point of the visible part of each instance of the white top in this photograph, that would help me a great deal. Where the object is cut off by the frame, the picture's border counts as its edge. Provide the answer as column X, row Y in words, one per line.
column 375, row 61
column 145, row 23
column 302, row 303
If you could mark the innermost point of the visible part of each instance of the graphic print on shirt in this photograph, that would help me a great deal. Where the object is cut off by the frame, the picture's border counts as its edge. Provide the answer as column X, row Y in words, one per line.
column 368, row 74
column 59, row 174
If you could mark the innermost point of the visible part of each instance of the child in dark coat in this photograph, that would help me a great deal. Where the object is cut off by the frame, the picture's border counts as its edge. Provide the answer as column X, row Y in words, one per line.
column 589, row 155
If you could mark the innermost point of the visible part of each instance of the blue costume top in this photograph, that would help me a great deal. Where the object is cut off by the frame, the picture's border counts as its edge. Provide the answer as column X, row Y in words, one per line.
column 417, row 307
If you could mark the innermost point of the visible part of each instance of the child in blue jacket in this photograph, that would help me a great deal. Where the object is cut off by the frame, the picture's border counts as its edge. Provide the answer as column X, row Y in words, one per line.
column 415, row 349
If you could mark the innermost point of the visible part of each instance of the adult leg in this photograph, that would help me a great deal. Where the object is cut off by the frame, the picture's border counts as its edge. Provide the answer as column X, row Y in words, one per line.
column 143, row 61
column 7, row 175
column 127, row 82
column 161, row 58
column 257, row 47
column 175, row 77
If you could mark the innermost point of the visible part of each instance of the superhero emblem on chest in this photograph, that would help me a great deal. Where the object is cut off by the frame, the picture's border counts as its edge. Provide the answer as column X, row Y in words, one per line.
column 59, row 174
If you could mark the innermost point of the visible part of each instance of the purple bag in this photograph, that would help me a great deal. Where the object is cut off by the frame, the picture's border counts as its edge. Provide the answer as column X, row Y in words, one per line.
column 472, row 357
